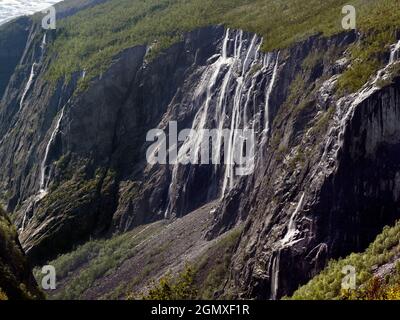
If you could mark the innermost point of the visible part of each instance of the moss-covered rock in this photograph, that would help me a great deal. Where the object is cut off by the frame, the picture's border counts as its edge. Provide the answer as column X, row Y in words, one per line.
column 16, row 279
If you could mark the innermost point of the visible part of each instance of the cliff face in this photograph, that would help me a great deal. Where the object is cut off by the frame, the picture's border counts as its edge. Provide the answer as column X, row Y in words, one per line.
column 325, row 177
column 16, row 279
column 13, row 39
column 341, row 194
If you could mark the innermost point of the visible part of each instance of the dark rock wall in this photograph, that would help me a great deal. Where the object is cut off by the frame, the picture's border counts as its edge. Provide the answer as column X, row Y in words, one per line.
column 325, row 181
column 16, row 279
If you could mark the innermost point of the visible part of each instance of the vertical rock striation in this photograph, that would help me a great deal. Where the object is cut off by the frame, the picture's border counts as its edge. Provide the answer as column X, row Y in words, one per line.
column 325, row 176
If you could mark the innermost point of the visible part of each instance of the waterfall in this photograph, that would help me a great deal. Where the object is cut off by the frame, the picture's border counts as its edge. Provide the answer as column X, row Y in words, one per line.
column 44, row 181
column 270, row 86
column 226, row 99
column 193, row 144
column 24, row 221
column 346, row 106
column 275, row 275
column 394, row 52
column 28, row 85
column 229, row 164
column 287, row 241
column 239, row 111
column 32, row 75
column 345, row 109
column 292, row 230
column 43, row 46
column 44, row 178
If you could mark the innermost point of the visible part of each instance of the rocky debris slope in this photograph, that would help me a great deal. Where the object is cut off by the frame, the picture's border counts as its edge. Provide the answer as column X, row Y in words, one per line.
column 129, row 263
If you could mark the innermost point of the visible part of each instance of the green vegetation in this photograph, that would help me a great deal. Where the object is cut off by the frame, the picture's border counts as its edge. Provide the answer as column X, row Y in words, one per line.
column 322, row 123
column 298, row 160
column 327, row 285
column 202, row 279
column 212, row 269
column 377, row 288
column 94, row 259
column 379, row 22
column 89, row 39
column 15, row 274
column 3, row 296
column 393, row 71
column 181, row 288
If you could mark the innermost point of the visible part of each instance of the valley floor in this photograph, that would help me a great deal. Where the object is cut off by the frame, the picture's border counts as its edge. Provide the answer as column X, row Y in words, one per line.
column 129, row 263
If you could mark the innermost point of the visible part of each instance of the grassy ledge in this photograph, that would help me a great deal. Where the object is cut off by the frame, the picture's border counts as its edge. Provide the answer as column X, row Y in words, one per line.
column 89, row 39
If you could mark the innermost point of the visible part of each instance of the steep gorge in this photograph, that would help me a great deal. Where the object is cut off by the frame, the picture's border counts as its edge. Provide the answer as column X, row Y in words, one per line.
column 325, row 180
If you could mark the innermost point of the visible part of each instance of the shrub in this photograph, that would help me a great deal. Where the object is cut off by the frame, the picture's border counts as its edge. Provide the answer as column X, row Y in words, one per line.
column 181, row 288
column 327, row 285
column 3, row 296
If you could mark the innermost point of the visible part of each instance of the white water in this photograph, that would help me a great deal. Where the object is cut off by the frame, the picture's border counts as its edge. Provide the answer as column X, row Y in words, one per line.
column 275, row 275
column 229, row 165
column 194, row 143
column 239, row 115
column 232, row 71
column 351, row 102
column 44, row 181
column 345, row 109
column 292, row 231
column 227, row 100
column 28, row 85
column 269, row 88
column 287, row 241
column 394, row 52
column 32, row 75
column 24, row 221
column 43, row 46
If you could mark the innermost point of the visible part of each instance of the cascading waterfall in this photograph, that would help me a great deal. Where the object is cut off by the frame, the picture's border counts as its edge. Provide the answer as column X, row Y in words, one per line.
column 267, row 64
column 275, row 275
column 287, row 241
column 44, row 179
column 43, row 46
column 28, row 85
column 394, row 52
column 237, row 70
column 32, row 75
column 194, row 143
column 239, row 117
column 346, row 106
column 292, row 231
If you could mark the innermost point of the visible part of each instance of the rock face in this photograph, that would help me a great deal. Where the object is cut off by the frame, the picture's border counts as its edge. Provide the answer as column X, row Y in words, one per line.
column 16, row 279
column 323, row 177
column 344, row 189
column 13, row 39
